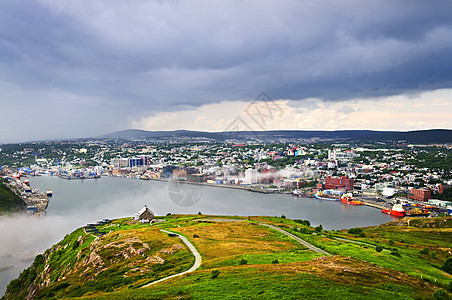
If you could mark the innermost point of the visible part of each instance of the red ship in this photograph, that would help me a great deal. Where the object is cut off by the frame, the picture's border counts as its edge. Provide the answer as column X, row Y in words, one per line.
column 348, row 199
column 397, row 210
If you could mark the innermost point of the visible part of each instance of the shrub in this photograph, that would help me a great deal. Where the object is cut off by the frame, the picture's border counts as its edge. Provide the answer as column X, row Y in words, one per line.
column 39, row 260
column 379, row 248
column 275, row 261
column 215, row 274
column 355, row 231
column 75, row 245
column 390, row 242
column 61, row 286
column 449, row 286
column 283, row 216
column 447, row 266
column 362, row 234
column 303, row 222
column 305, row 231
column 424, row 251
column 396, row 253
column 243, row 262
column 168, row 214
column 441, row 295
column 318, row 228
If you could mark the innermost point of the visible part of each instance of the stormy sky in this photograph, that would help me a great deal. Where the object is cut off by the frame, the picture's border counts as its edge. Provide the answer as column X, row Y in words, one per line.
column 85, row 68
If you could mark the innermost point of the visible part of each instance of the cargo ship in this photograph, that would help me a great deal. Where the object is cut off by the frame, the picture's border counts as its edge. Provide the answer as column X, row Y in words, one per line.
column 348, row 199
column 329, row 195
column 397, row 210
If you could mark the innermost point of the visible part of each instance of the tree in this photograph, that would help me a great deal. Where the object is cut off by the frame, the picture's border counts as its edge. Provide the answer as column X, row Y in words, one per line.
column 215, row 274
column 447, row 266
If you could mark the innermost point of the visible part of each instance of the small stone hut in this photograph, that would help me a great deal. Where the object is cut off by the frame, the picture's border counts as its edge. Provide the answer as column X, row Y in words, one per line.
column 144, row 214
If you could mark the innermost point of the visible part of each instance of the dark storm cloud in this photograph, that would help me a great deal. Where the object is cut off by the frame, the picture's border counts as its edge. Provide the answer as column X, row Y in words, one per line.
column 159, row 55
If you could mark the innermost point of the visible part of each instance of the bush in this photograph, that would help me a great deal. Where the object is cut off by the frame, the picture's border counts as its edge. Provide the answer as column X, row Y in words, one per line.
column 379, row 248
column 275, row 261
column 243, row 262
column 390, row 242
column 39, row 260
column 283, row 216
column 355, row 231
column 168, row 214
column 449, row 286
column 303, row 222
column 215, row 274
column 318, row 228
column 395, row 253
column 424, row 251
column 75, row 245
column 305, row 231
column 61, row 286
column 441, row 295
column 447, row 266
column 362, row 234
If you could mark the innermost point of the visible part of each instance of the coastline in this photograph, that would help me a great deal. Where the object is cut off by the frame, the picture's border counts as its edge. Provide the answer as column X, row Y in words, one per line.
column 366, row 201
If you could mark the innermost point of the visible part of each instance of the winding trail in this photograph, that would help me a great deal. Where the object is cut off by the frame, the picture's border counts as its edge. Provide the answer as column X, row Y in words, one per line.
column 301, row 241
column 194, row 267
column 198, row 256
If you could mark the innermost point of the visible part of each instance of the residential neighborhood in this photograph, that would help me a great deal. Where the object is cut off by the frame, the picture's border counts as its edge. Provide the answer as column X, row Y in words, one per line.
column 379, row 172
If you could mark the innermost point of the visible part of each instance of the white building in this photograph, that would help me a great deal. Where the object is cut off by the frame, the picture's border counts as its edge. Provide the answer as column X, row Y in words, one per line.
column 250, row 176
column 121, row 162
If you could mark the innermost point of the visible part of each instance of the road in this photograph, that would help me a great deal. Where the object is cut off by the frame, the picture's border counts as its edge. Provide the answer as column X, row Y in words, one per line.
column 195, row 265
column 301, row 241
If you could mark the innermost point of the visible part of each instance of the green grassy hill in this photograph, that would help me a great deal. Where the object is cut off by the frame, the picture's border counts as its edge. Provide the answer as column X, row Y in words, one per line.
column 9, row 201
column 242, row 259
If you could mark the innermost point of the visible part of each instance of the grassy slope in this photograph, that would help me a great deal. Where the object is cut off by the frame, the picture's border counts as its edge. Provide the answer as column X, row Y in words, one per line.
column 357, row 271
column 127, row 257
column 9, row 201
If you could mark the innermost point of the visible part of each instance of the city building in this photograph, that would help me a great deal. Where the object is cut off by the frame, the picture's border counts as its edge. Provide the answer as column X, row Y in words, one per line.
column 180, row 174
column 422, row 194
column 121, row 162
column 250, row 176
column 338, row 183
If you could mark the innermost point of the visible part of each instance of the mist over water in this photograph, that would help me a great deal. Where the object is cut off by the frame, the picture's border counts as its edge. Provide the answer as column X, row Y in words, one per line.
column 78, row 202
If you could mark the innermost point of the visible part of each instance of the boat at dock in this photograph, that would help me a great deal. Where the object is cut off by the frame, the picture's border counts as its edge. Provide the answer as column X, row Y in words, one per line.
column 348, row 199
column 329, row 195
column 397, row 210
column 49, row 192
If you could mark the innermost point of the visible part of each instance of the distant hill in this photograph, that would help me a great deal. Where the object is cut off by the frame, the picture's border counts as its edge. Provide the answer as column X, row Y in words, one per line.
column 143, row 134
column 413, row 137
column 441, row 136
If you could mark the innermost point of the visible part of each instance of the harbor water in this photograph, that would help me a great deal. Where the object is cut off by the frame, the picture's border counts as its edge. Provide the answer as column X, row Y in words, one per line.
column 78, row 202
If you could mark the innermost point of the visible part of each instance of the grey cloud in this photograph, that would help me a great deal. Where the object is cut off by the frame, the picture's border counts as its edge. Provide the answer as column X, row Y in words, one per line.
column 346, row 109
column 162, row 55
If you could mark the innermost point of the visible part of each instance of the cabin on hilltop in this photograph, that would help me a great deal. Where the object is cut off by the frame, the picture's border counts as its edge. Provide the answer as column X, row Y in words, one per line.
column 144, row 214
